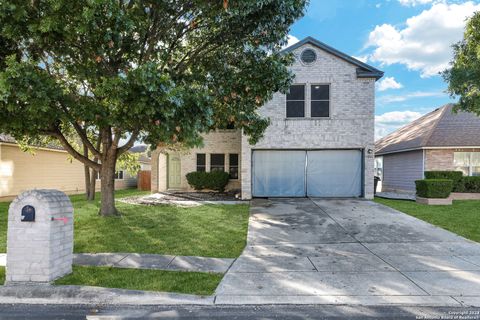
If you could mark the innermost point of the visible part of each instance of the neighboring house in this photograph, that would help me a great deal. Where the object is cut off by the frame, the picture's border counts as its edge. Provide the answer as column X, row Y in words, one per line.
column 440, row 140
column 144, row 156
column 319, row 143
column 46, row 168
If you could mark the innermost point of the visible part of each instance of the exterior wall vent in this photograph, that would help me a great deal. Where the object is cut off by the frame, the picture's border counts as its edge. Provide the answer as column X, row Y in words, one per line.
column 308, row 56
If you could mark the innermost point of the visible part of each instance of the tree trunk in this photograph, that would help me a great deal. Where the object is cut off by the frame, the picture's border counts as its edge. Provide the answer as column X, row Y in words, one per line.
column 93, row 180
column 107, row 177
column 87, row 174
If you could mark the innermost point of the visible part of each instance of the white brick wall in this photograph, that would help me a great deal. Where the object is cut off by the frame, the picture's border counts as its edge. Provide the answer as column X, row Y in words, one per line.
column 350, row 126
column 39, row 251
column 220, row 141
column 351, row 122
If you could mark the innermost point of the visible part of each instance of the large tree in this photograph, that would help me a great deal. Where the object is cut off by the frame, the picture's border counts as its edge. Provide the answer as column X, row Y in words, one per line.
column 463, row 77
column 158, row 71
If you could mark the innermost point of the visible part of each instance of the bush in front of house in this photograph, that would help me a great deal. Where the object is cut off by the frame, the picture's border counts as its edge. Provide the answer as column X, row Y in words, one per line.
column 215, row 180
column 434, row 188
column 455, row 176
column 471, row 184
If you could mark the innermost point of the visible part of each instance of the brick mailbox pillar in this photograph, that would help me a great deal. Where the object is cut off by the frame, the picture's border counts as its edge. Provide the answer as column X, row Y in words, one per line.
column 40, row 237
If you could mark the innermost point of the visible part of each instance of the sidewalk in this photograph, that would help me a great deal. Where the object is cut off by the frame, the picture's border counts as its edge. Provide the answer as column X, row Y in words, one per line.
column 148, row 261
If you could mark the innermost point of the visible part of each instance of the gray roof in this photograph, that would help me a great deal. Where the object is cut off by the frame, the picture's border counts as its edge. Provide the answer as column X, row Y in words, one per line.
column 6, row 138
column 363, row 71
column 439, row 128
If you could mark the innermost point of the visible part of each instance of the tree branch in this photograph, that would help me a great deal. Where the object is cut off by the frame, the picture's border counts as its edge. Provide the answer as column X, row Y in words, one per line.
column 129, row 144
column 71, row 150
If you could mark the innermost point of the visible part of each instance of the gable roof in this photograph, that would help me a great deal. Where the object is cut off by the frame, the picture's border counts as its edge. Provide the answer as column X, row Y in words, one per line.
column 363, row 71
column 439, row 128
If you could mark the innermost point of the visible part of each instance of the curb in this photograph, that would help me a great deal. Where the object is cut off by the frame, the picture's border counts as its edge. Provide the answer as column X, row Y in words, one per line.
column 86, row 295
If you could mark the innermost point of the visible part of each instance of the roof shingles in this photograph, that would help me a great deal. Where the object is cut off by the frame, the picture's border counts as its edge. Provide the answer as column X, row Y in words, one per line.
column 439, row 128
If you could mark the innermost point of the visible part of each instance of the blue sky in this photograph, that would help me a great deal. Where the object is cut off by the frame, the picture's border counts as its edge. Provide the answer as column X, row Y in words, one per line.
column 410, row 40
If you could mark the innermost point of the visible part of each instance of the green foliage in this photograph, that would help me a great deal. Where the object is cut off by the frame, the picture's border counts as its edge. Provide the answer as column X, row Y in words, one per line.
column 161, row 72
column 463, row 77
column 137, row 279
column 215, row 180
column 434, row 188
column 165, row 70
column 471, row 184
column 208, row 231
column 455, row 176
column 462, row 217
column 129, row 162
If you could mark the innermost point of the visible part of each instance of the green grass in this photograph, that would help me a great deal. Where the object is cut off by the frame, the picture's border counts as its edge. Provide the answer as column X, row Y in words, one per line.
column 149, row 280
column 2, row 275
column 462, row 217
column 209, row 230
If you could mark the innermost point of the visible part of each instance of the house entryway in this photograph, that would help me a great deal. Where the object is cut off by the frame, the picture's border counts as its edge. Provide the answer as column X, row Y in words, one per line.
column 312, row 173
column 174, row 172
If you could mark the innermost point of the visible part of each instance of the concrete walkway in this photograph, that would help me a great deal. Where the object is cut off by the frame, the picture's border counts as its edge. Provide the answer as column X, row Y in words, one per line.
column 149, row 261
column 303, row 251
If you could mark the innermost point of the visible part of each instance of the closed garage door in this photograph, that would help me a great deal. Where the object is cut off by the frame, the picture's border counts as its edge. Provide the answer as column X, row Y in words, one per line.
column 319, row 173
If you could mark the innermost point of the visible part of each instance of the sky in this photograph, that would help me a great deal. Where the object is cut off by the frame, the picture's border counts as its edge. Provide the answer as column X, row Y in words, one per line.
column 410, row 40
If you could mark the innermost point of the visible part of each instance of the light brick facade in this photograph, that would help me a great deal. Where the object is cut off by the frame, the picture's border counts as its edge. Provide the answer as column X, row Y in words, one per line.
column 350, row 125
column 442, row 159
column 351, row 122
column 40, row 251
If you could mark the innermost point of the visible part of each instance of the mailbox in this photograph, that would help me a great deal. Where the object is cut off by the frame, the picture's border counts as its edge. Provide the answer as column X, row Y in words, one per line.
column 28, row 214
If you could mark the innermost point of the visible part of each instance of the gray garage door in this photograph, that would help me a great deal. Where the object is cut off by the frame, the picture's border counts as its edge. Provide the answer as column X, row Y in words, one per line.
column 319, row 173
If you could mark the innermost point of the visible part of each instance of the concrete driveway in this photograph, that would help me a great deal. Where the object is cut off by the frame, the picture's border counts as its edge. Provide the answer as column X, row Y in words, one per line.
column 316, row 251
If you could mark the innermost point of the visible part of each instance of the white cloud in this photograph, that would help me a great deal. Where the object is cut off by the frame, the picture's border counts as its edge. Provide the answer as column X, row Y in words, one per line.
column 291, row 41
column 386, row 99
column 388, row 83
column 391, row 121
column 424, row 43
column 362, row 58
column 413, row 3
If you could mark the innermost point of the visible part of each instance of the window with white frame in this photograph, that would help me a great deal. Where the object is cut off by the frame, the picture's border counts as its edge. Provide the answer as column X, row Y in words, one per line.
column 467, row 162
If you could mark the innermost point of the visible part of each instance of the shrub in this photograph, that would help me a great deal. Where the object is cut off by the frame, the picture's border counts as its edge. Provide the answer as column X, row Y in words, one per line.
column 455, row 176
column 434, row 188
column 472, row 184
column 215, row 180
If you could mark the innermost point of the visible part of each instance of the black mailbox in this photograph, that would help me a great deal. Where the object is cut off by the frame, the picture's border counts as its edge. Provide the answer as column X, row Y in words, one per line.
column 28, row 214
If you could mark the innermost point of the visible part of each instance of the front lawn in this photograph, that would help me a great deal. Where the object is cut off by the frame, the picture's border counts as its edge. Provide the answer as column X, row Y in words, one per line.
column 149, row 280
column 462, row 218
column 210, row 230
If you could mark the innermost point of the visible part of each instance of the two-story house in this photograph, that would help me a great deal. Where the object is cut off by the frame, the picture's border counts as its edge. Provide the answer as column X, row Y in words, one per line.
column 319, row 143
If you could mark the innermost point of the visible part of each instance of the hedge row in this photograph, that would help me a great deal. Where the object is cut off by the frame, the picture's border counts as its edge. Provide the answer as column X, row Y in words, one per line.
column 215, row 180
column 460, row 183
column 434, row 188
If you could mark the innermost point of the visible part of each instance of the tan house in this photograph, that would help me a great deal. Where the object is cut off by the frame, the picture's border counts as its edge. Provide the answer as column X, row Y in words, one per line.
column 319, row 142
column 46, row 168
column 440, row 140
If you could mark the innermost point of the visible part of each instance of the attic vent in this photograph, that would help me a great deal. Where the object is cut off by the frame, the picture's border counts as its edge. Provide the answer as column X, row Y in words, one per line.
column 308, row 56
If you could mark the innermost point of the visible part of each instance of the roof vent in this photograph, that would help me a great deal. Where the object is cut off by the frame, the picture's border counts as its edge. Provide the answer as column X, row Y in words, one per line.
column 308, row 56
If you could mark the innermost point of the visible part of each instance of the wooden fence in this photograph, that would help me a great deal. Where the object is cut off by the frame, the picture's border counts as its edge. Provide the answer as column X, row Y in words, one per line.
column 144, row 180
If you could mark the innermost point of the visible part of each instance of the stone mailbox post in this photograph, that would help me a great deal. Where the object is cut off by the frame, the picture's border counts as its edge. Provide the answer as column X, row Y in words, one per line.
column 40, row 237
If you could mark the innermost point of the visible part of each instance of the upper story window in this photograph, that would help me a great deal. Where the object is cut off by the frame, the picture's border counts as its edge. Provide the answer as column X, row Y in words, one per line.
column 217, row 162
column 296, row 101
column 467, row 162
column 320, row 101
column 201, row 162
column 308, row 56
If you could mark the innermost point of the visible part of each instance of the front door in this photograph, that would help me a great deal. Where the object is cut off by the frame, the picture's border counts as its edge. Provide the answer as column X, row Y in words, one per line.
column 174, row 172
